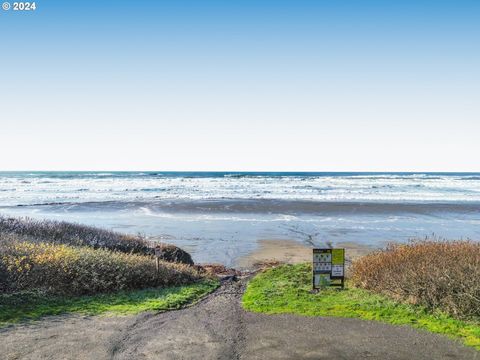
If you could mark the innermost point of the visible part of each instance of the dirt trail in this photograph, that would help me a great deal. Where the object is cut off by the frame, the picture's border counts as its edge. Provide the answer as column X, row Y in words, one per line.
column 218, row 328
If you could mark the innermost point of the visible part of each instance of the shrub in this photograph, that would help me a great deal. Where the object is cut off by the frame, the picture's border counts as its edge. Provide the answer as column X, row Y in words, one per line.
column 64, row 269
column 436, row 274
column 172, row 253
column 59, row 232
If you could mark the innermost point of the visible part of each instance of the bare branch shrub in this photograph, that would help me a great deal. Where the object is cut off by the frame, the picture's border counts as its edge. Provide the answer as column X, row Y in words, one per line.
column 436, row 274
column 65, row 269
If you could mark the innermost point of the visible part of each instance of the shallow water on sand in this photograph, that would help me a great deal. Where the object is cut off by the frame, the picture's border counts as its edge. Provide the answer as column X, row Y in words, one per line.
column 227, row 235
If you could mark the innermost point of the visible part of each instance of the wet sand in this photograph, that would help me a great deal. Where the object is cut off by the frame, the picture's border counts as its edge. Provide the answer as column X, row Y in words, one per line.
column 261, row 206
column 292, row 252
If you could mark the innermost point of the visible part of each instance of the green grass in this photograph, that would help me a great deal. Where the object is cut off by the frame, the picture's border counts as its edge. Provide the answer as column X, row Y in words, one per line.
column 19, row 307
column 286, row 289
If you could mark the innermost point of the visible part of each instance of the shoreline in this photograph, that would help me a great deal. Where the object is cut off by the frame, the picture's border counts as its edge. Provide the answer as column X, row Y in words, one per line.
column 225, row 230
column 293, row 252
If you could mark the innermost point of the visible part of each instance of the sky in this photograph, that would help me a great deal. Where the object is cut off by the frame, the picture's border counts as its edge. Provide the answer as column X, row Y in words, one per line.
column 245, row 85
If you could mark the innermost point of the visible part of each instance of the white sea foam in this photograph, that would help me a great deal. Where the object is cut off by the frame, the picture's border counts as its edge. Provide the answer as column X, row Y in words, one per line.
column 27, row 189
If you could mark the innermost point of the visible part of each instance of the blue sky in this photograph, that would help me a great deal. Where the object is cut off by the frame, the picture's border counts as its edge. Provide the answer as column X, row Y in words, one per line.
column 241, row 85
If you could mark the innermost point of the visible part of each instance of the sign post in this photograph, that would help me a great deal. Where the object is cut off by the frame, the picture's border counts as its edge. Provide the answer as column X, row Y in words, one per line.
column 328, row 268
column 158, row 254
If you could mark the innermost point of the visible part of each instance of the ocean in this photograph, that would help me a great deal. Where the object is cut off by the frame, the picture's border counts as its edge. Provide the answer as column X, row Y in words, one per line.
column 221, row 216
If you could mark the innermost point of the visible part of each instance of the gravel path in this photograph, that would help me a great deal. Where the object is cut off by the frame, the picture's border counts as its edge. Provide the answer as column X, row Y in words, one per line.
column 218, row 328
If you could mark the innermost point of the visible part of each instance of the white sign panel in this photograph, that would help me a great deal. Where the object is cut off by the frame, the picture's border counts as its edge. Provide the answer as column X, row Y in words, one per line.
column 337, row 270
column 322, row 266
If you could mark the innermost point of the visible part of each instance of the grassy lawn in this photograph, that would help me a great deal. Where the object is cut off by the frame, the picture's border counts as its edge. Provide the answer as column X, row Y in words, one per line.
column 31, row 306
column 286, row 289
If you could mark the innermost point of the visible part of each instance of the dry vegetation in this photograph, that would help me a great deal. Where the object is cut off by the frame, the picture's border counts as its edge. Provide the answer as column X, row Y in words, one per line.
column 173, row 253
column 218, row 270
column 70, row 259
column 59, row 232
column 436, row 274
column 64, row 269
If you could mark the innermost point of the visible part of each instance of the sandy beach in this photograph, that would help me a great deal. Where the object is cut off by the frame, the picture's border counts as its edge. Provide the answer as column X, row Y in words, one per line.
column 291, row 252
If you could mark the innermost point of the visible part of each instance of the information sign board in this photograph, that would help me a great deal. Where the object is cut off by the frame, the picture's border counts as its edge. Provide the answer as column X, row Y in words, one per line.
column 328, row 268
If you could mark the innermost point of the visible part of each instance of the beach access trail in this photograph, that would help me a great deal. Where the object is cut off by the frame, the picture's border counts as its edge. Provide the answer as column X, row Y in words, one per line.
column 218, row 328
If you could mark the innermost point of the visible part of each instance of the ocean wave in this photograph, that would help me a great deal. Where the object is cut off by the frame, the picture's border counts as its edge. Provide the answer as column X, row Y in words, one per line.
column 154, row 189
column 152, row 186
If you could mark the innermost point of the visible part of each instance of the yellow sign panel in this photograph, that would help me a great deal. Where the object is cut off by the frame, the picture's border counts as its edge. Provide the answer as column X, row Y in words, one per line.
column 338, row 256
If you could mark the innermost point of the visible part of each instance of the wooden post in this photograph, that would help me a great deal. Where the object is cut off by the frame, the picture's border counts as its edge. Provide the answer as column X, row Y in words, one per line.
column 158, row 254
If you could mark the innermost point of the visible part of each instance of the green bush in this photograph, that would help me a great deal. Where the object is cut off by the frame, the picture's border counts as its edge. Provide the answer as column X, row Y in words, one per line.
column 64, row 269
